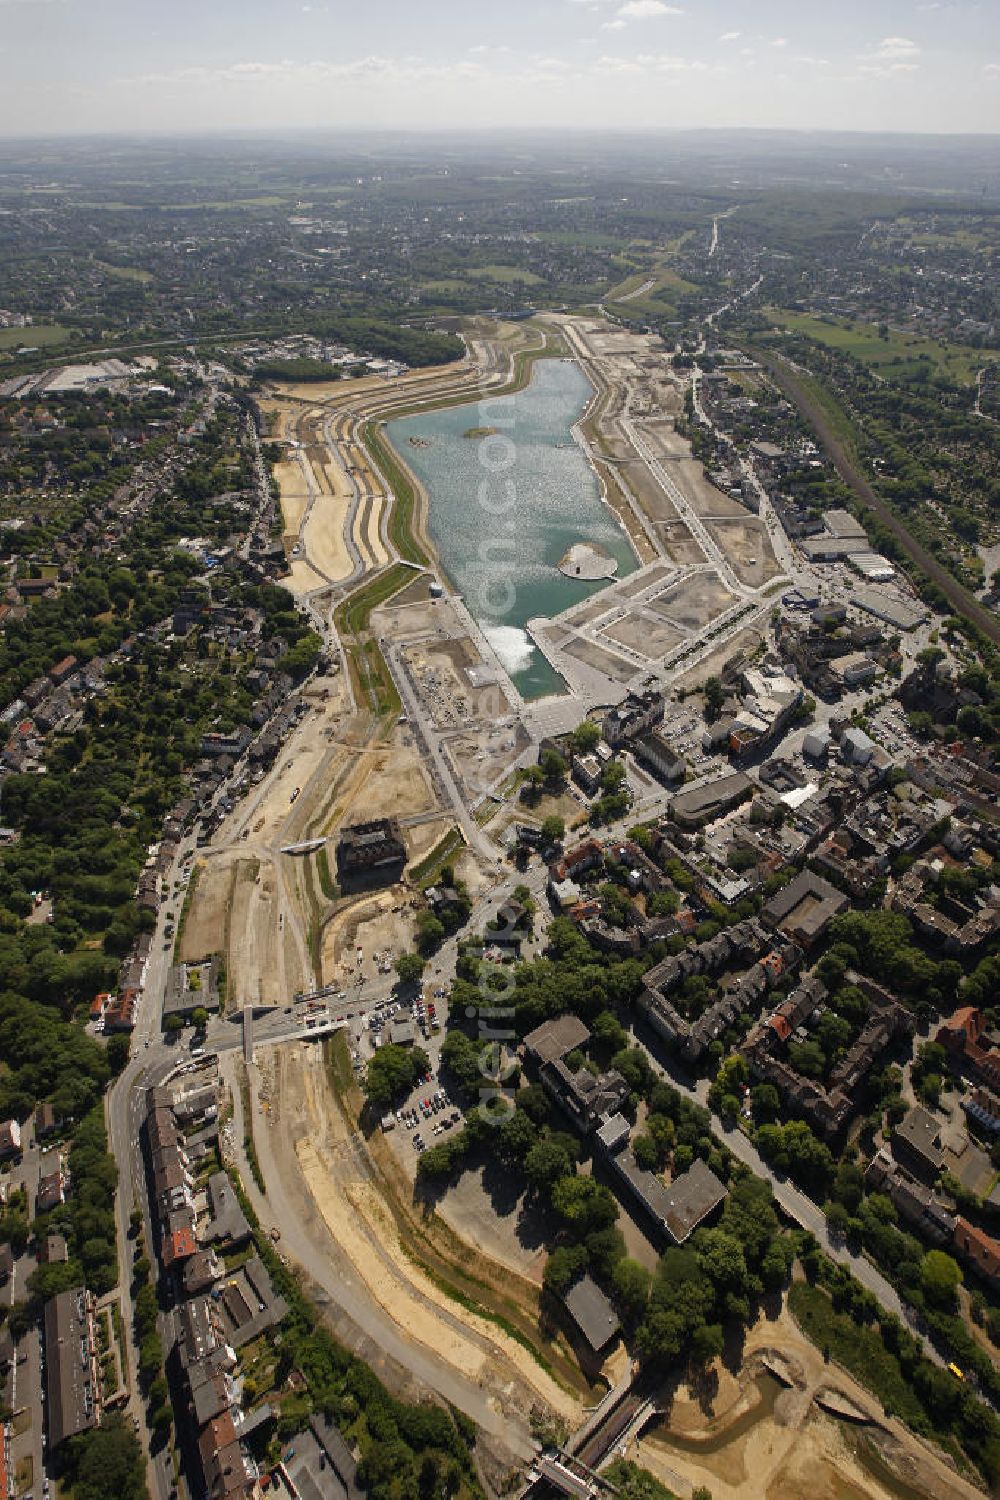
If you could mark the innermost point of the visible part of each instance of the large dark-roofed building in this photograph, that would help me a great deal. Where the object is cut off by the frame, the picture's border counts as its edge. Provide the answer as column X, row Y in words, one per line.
column 70, row 1372
column 804, row 908
column 592, row 1313
column 371, row 853
column 701, row 804
column 916, row 1142
column 694, row 1197
column 554, row 1040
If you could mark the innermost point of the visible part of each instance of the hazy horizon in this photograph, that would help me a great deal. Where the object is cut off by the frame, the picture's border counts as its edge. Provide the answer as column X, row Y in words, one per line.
column 118, row 67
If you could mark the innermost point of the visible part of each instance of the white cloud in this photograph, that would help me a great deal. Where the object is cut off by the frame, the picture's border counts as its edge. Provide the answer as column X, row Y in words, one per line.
column 992, row 70
column 891, row 56
column 730, row 36
column 643, row 10
column 897, row 47
column 650, row 62
column 779, row 41
column 319, row 71
column 640, row 10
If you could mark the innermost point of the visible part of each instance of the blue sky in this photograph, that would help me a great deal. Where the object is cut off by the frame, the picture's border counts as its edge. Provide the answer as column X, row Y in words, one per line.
column 130, row 65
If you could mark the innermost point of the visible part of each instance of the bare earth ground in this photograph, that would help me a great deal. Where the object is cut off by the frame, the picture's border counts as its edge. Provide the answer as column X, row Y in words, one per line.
column 744, row 640
column 324, row 536
column 615, row 667
column 679, row 544
column 382, row 923
column 796, row 1450
column 652, row 638
column 504, row 1228
column 302, row 579
column 397, row 786
column 315, row 1139
column 205, row 927
column 693, row 602
column 746, row 544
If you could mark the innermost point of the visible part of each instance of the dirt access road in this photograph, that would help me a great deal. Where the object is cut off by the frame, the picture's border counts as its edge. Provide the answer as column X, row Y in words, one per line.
column 339, row 1231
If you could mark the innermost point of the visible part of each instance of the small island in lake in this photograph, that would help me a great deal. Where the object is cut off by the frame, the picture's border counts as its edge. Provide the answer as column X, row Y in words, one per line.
column 419, row 442
column 479, row 432
column 588, row 561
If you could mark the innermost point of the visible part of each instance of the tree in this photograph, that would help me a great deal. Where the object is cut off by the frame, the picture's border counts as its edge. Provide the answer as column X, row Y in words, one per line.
column 706, row 1344
column 631, row 1282
column 563, row 1267
column 553, row 769
column 721, row 1258
column 646, row 1153
column 584, row 1205
column 410, row 967
column 393, row 1071
column 430, row 932
column 199, row 1017
column 173, row 1024
column 516, row 1136
column 532, row 782
column 546, row 1162
column 107, row 1461
column 714, row 699
column 586, row 736
column 940, row 1278
column 766, row 1103
column 553, row 829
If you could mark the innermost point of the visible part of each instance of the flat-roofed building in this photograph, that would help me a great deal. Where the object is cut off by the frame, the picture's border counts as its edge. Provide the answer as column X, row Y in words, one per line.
column 371, row 853
column 556, row 1039
column 71, row 1365
column 593, row 1315
column 916, row 1142
column 694, row 1197
column 804, row 908
column 701, row 804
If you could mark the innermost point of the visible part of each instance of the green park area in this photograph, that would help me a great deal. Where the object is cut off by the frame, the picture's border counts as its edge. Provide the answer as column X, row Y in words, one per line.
column 898, row 353
column 38, row 336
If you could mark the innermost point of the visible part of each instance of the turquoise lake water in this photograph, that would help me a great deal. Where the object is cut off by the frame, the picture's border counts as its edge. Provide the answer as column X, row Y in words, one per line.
column 504, row 509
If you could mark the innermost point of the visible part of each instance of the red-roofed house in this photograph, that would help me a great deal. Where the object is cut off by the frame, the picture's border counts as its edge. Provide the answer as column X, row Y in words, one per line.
column 222, row 1460
column 586, row 856
column 63, row 669
column 120, row 1014
column 982, row 1252
column 179, row 1246
column 961, row 1036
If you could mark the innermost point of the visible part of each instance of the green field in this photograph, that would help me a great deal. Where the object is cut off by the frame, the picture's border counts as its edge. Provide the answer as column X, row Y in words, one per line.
column 126, row 273
column 265, row 200
column 504, row 274
column 898, row 353
column 40, row 336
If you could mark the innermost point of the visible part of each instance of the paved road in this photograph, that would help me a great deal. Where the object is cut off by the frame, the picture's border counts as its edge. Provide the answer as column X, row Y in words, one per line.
column 306, row 1241
column 798, row 1206
column 124, row 1110
column 26, row 1374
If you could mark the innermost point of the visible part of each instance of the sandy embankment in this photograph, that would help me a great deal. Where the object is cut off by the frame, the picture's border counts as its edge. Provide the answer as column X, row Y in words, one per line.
column 793, row 1449
column 362, row 1226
